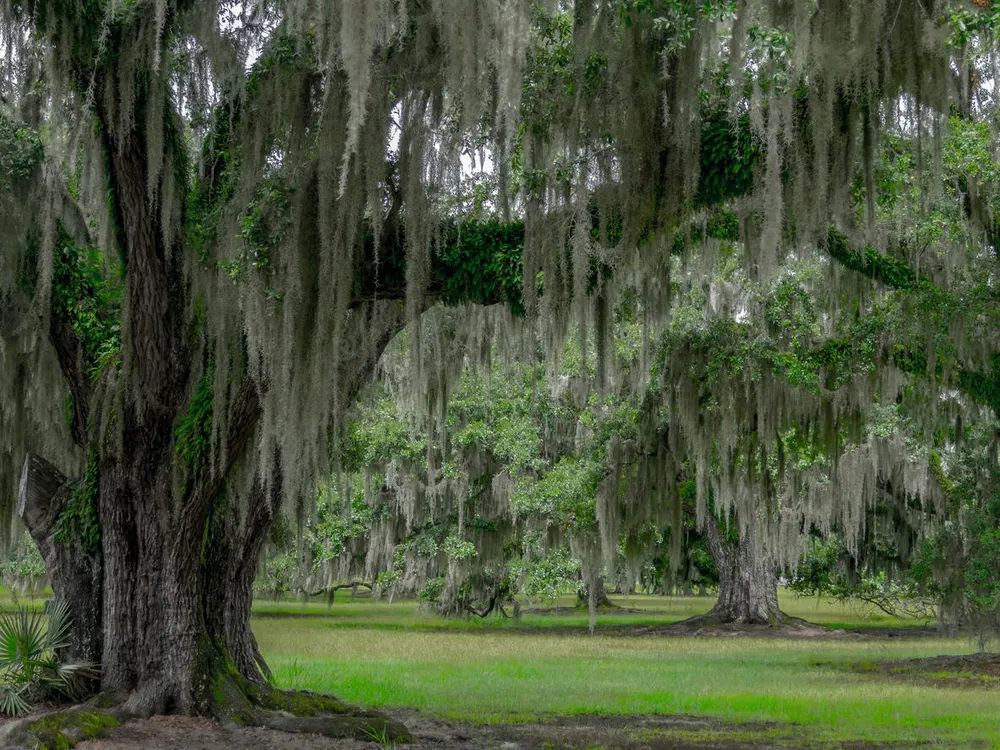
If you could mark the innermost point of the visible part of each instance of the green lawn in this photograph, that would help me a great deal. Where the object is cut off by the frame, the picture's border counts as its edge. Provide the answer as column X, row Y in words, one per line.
column 655, row 610
column 377, row 654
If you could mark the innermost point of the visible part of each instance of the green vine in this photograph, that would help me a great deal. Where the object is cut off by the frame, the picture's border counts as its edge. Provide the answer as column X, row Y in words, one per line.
column 89, row 298
column 481, row 262
column 79, row 519
column 885, row 269
column 194, row 433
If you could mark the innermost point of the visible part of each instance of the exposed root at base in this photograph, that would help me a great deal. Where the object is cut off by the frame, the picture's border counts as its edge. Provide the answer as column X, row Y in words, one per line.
column 297, row 712
column 304, row 712
column 782, row 626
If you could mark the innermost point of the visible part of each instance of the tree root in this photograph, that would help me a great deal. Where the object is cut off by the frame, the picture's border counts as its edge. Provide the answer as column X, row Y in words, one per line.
column 253, row 705
column 782, row 625
column 372, row 726
column 311, row 713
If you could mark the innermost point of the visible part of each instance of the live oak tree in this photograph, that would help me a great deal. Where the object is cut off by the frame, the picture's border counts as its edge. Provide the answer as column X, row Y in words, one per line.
column 217, row 214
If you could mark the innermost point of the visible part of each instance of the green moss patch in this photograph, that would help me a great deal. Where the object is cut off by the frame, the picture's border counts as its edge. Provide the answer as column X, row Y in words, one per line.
column 304, row 703
column 63, row 730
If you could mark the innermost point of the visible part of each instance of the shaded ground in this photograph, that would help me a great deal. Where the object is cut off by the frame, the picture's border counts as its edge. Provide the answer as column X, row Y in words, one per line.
column 627, row 733
column 696, row 626
column 699, row 626
column 793, row 627
column 976, row 671
column 602, row 610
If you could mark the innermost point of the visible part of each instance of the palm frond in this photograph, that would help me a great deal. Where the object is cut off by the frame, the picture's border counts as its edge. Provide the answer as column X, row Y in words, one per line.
column 29, row 662
column 12, row 703
column 74, row 680
column 60, row 621
column 22, row 637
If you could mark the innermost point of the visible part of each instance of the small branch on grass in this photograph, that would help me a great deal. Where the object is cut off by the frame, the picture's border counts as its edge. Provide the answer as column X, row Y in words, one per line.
column 353, row 585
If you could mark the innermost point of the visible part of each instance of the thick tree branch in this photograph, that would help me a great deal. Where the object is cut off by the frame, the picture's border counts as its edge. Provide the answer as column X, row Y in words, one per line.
column 73, row 364
column 39, row 500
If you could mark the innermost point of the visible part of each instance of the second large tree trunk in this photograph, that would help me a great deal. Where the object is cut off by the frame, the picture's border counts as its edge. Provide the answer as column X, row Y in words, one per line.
column 748, row 580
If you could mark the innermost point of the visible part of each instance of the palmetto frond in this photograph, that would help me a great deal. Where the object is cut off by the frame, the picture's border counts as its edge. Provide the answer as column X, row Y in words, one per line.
column 29, row 661
column 12, row 703
column 22, row 638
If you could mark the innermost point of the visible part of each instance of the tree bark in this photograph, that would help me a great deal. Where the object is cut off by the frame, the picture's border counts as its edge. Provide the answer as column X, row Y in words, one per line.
column 163, row 603
column 76, row 572
column 228, row 572
column 748, row 580
column 600, row 596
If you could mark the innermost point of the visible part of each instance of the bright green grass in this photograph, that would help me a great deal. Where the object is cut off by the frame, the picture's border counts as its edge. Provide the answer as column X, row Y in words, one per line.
column 381, row 655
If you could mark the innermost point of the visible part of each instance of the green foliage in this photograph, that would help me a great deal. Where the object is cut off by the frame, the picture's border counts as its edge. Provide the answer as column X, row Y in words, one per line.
column 885, row 269
column 335, row 525
column 277, row 574
column 386, row 580
column 457, row 548
column 263, row 225
column 565, row 494
column 21, row 152
column 194, row 432
column 432, row 590
column 547, row 577
column 553, row 76
column 88, row 294
column 958, row 560
column 30, row 669
column 24, row 570
column 728, row 156
column 966, row 24
column 480, row 262
column 79, row 520
column 379, row 435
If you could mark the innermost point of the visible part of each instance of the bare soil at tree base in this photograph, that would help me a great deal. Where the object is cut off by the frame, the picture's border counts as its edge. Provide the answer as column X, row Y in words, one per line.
column 565, row 733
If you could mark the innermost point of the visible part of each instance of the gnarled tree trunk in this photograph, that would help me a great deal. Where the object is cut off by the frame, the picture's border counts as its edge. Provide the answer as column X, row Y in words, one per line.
column 162, row 600
column 748, row 580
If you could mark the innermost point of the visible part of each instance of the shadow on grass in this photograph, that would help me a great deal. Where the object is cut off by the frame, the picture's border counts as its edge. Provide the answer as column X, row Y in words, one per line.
column 974, row 671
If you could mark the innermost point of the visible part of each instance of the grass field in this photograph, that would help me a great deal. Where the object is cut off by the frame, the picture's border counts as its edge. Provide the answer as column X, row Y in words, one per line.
column 392, row 656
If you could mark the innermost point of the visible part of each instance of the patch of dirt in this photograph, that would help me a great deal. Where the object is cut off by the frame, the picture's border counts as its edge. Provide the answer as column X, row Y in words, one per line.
column 197, row 733
column 568, row 733
column 704, row 625
column 976, row 671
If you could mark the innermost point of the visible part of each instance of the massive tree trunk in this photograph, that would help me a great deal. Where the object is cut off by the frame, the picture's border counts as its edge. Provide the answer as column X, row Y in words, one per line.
column 748, row 580
column 162, row 597
column 228, row 571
